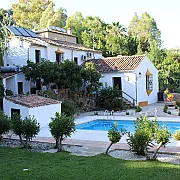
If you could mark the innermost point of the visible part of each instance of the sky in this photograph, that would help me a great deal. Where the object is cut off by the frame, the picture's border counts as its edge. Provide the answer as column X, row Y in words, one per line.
column 165, row 12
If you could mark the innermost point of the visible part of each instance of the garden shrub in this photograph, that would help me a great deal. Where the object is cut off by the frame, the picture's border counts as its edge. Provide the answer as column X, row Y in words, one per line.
column 9, row 92
column 110, row 98
column 61, row 127
column 5, row 124
column 165, row 108
column 177, row 135
column 142, row 138
column 162, row 137
column 178, row 103
column 31, row 128
column 25, row 129
column 114, row 135
column 138, row 109
column 68, row 107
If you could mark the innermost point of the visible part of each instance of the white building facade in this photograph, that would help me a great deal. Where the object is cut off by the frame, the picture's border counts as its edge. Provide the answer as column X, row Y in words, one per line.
column 135, row 76
column 43, row 109
column 48, row 44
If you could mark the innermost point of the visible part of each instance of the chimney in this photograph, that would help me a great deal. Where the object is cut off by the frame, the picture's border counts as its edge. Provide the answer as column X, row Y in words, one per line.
column 69, row 31
column 35, row 26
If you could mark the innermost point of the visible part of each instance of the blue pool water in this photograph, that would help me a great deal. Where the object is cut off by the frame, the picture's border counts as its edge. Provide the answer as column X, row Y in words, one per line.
column 105, row 125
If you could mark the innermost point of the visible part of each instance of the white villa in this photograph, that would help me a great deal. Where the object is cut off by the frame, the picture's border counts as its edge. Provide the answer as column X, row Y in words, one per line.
column 54, row 44
column 135, row 76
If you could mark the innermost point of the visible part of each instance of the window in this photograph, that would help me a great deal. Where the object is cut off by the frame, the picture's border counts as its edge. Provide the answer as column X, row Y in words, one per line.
column 37, row 56
column 59, row 57
column 149, row 82
column 20, row 88
column 13, row 111
column 76, row 60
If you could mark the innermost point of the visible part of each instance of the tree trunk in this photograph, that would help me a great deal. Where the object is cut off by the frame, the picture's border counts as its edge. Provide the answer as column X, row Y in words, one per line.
column 27, row 143
column 157, row 149
column 108, row 148
column 21, row 140
column 57, row 140
column 60, row 145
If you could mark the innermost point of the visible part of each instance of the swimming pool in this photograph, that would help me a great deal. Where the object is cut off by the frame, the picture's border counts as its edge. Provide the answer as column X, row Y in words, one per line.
column 105, row 125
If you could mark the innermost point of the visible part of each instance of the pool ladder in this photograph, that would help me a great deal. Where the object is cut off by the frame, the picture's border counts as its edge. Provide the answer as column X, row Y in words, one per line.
column 111, row 114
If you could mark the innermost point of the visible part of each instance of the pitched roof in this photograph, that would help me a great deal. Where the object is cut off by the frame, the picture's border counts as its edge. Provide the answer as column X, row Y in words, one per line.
column 69, row 45
column 6, row 75
column 116, row 64
column 31, row 100
column 55, row 31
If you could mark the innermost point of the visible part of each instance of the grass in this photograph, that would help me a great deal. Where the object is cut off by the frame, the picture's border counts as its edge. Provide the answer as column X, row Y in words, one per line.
column 46, row 166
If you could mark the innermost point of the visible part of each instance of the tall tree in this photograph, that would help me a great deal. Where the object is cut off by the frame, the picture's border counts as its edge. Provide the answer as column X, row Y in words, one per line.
column 52, row 18
column 145, row 28
column 28, row 11
column 75, row 22
column 93, row 35
column 6, row 19
column 169, row 73
column 1, row 91
column 46, row 16
column 155, row 54
column 115, row 38
column 58, row 19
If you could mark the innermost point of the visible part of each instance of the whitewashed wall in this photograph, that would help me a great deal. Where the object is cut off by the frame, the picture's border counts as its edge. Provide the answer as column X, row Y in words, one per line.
column 141, row 81
column 7, row 105
column 11, row 83
column 32, row 53
column 20, row 51
column 17, row 53
column 43, row 114
column 127, row 82
column 26, row 84
column 69, row 54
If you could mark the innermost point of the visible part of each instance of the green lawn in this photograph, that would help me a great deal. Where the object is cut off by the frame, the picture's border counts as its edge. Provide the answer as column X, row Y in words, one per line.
column 65, row 166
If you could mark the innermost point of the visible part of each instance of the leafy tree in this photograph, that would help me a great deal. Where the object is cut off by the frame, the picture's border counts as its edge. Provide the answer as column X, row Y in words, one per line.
column 109, row 98
column 75, row 22
column 155, row 54
column 25, row 128
column 114, row 136
column 1, row 91
column 62, row 126
column 94, row 33
column 69, row 76
column 91, row 77
column 17, row 126
column 52, row 18
column 115, row 38
column 143, row 136
column 28, row 11
column 169, row 73
column 5, row 124
column 6, row 19
column 162, row 137
column 45, row 70
column 31, row 128
column 46, row 16
column 68, row 107
column 145, row 29
column 59, row 18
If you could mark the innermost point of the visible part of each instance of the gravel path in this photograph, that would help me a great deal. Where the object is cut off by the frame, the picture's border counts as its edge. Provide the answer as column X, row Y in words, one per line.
column 90, row 151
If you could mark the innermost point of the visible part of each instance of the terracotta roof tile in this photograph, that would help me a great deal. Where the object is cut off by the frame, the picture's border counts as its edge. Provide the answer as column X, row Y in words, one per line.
column 115, row 64
column 6, row 75
column 31, row 100
column 69, row 45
